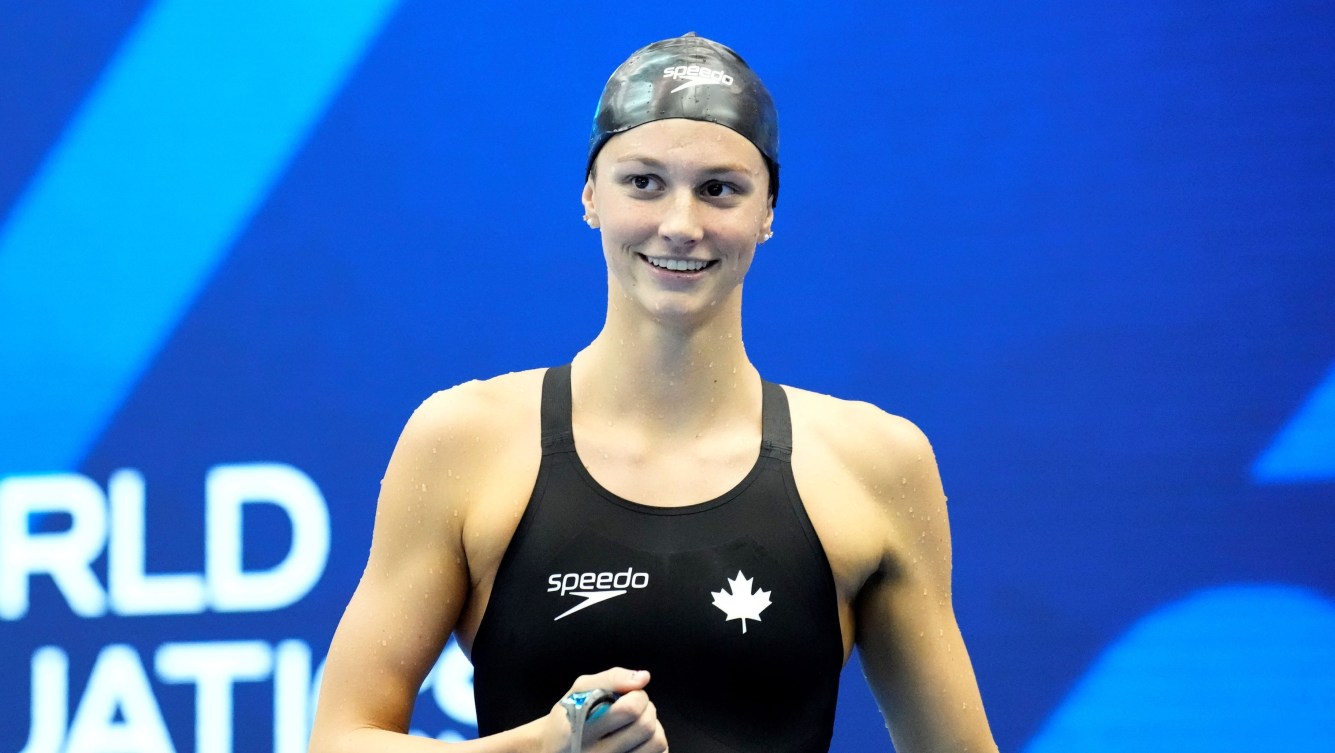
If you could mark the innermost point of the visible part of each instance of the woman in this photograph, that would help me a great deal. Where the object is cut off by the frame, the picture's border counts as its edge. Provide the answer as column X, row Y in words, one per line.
column 655, row 521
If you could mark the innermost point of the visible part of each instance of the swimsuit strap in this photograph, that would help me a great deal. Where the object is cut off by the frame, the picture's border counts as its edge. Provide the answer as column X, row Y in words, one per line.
column 557, row 432
column 776, row 425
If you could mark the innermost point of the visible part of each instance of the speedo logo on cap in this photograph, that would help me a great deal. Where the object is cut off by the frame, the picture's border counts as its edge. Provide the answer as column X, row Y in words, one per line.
column 696, row 75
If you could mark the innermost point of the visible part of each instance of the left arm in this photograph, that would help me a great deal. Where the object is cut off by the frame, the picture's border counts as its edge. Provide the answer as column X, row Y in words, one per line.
column 912, row 652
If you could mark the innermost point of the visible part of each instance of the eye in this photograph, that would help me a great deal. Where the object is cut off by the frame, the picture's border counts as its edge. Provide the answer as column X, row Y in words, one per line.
column 641, row 182
column 717, row 189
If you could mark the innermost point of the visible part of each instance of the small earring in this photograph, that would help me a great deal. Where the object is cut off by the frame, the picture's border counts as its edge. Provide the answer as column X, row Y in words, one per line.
column 591, row 222
column 768, row 234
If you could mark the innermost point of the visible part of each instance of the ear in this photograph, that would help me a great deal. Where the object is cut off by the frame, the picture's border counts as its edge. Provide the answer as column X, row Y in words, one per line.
column 767, row 226
column 586, row 198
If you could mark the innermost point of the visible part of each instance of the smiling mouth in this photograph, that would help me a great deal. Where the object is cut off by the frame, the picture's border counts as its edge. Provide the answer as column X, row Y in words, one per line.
column 678, row 265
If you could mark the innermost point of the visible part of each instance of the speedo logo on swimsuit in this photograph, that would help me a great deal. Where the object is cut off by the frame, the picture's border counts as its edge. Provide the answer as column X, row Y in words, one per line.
column 595, row 587
column 696, row 75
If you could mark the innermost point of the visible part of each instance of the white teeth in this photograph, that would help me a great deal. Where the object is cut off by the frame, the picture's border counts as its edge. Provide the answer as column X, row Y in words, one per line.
column 678, row 265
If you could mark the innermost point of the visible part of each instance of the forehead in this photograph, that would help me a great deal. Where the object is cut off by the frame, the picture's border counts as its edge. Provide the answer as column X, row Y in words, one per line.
column 688, row 143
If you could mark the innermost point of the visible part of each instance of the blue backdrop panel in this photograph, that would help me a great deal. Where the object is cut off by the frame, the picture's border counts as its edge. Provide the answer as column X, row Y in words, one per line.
column 1088, row 249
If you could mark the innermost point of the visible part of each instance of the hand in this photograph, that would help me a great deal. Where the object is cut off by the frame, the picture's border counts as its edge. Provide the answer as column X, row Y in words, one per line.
column 630, row 725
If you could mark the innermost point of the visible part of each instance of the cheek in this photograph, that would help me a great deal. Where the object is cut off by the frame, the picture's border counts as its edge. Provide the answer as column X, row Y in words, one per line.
column 741, row 253
column 744, row 260
column 622, row 237
column 626, row 224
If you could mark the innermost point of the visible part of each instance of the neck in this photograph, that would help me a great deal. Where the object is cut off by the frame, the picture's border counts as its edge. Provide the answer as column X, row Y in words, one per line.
column 671, row 378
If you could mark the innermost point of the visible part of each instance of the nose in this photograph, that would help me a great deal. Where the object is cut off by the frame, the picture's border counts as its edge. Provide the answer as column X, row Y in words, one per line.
column 680, row 224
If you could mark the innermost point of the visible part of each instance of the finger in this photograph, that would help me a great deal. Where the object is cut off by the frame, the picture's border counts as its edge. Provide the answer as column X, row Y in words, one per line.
column 626, row 681
column 640, row 734
column 627, row 710
column 617, row 679
column 655, row 744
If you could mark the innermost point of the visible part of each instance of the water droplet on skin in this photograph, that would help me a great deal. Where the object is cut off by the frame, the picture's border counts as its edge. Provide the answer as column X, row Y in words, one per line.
column 903, row 481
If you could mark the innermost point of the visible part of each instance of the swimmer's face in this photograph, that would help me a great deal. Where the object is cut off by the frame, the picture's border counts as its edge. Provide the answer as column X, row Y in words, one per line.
column 681, row 205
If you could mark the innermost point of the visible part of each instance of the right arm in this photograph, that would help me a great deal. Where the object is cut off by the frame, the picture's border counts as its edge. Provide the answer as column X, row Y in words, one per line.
column 410, row 598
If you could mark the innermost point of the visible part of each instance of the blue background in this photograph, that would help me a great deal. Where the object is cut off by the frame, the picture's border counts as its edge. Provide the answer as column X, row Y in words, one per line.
column 1089, row 248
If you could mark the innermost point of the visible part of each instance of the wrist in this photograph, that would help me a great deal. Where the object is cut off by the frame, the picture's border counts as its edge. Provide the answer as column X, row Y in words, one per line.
column 543, row 735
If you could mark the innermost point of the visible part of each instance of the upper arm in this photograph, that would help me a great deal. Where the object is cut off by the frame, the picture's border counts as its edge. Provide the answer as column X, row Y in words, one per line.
column 414, row 586
column 909, row 642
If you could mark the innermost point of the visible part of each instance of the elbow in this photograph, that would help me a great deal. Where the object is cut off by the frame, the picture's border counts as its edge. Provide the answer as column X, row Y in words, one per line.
column 329, row 738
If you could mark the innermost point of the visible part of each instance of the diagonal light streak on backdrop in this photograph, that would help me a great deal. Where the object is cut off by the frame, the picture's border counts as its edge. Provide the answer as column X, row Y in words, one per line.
column 173, row 150
column 1304, row 450
column 1242, row 667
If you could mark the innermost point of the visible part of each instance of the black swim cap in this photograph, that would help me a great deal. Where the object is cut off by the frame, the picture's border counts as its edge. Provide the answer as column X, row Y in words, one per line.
column 694, row 78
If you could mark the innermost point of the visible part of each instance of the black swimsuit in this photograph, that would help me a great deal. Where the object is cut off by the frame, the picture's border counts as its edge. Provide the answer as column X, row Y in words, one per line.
column 730, row 604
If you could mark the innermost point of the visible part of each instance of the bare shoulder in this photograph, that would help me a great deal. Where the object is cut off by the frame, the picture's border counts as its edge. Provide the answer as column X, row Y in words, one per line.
column 464, row 445
column 869, row 483
column 868, row 440
column 476, row 452
column 478, row 409
column 444, row 466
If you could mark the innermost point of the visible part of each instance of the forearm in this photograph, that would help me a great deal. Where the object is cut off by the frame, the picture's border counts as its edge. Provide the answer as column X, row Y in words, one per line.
column 524, row 739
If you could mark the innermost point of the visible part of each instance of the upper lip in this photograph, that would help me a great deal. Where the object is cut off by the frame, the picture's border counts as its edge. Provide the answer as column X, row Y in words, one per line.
column 674, row 258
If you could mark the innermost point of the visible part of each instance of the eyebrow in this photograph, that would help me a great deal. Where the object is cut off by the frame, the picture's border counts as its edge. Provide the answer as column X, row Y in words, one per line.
column 660, row 165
